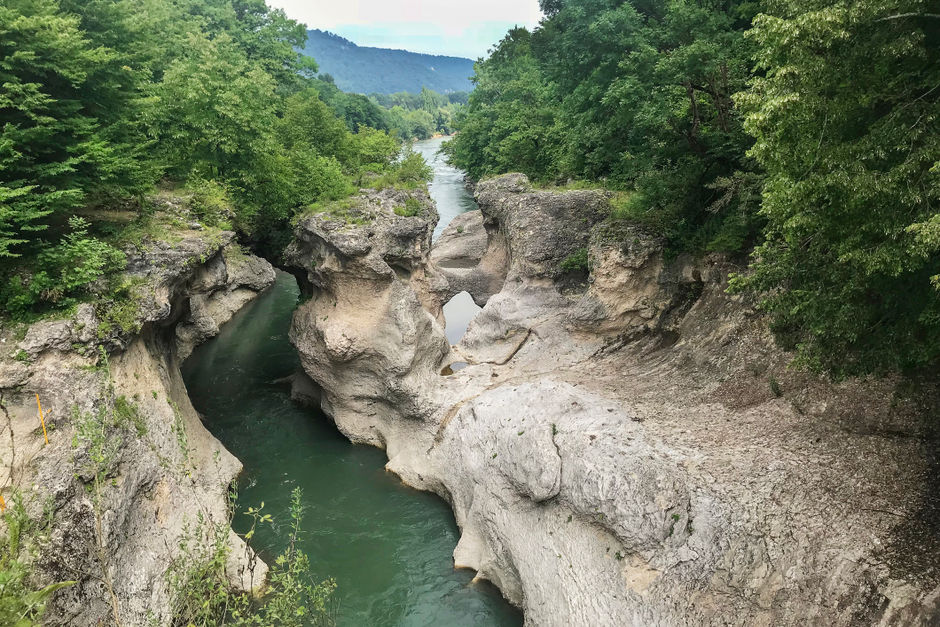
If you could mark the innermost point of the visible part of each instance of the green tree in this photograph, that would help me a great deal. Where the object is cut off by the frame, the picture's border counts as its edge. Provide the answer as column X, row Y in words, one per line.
column 116, row 92
column 308, row 122
column 420, row 115
column 429, row 101
column 359, row 112
column 510, row 122
column 217, row 111
column 636, row 94
column 373, row 148
column 398, row 119
column 421, row 124
column 46, row 138
column 847, row 121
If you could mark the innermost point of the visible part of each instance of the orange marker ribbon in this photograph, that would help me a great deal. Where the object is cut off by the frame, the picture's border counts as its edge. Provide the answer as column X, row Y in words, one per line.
column 42, row 421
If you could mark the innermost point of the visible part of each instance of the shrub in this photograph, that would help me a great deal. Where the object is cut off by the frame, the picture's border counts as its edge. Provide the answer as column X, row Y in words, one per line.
column 324, row 180
column 202, row 594
column 413, row 168
column 411, row 208
column 210, row 203
column 126, row 413
column 409, row 172
column 371, row 146
column 21, row 602
column 67, row 271
column 577, row 261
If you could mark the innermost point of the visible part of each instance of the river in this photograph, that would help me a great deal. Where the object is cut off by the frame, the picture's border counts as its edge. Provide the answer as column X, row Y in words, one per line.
column 447, row 188
column 389, row 547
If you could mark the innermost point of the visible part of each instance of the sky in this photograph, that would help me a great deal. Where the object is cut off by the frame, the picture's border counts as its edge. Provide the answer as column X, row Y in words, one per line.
column 462, row 28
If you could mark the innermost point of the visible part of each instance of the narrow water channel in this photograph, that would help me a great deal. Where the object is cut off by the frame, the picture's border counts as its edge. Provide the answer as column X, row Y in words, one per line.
column 452, row 198
column 447, row 188
column 389, row 548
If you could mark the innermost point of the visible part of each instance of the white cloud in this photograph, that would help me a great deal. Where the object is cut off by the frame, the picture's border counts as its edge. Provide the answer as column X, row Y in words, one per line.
column 448, row 14
column 467, row 28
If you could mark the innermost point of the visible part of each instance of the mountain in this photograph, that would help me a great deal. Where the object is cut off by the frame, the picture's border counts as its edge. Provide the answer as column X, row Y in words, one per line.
column 367, row 70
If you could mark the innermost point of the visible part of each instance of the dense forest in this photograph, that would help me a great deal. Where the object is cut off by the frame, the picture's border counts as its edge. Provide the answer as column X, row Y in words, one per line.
column 421, row 115
column 364, row 70
column 104, row 101
column 404, row 114
column 805, row 133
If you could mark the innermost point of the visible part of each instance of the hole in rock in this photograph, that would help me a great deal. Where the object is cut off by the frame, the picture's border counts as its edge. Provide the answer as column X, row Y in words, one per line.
column 403, row 273
column 458, row 312
column 454, row 367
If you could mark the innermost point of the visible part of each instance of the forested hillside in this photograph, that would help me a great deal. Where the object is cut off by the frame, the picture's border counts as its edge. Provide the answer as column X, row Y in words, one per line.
column 806, row 132
column 105, row 101
column 365, row 70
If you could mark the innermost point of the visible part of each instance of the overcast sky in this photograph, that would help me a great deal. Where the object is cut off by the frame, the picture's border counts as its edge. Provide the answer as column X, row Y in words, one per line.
column 464, row 28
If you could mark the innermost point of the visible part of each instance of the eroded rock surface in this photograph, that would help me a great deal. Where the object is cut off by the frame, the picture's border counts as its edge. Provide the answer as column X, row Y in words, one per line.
column 468, row 258
column 116, row 408
column 626, row 450
column 367, row 311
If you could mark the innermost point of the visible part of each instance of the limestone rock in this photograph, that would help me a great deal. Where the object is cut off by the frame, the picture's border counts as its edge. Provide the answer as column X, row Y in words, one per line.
column 164, row 468
column 541, row 228
column 223, row 286
column 469, row 259
column 364, row 335
column 615, row 454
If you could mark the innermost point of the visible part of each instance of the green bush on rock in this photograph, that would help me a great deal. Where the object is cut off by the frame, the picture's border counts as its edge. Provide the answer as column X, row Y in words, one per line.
column 578, row 261
column 202, row 593
column 411, row 208
column 22, row 602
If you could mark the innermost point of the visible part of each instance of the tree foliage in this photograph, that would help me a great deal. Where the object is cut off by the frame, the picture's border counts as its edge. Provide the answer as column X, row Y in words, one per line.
column 636, row 94
column 847, row 122
column 510, row 123
column 48, row 144
column 806, row 128
column 101, row 99
column 409, row 115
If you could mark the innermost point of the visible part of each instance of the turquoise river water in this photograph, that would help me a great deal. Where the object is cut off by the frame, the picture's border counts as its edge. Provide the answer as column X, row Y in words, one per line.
column 389, row 547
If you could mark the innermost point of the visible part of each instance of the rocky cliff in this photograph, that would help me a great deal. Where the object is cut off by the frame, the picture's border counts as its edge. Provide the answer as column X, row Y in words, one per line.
column 625, row 446
column 129, row 469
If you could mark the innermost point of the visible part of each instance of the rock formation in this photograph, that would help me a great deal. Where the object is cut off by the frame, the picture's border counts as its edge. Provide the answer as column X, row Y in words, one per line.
column 627, row 448
column 116, row 409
